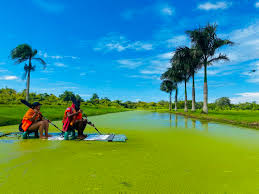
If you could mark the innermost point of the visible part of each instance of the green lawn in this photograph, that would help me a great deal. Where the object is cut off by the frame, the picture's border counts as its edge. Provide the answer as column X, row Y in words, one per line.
column 246, row 118
column 13, row 114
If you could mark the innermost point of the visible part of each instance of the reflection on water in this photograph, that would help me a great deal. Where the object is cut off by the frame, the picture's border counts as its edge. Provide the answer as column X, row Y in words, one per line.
column 185, row 122
column 145, row 120
column 193, row 123
column 176, row 120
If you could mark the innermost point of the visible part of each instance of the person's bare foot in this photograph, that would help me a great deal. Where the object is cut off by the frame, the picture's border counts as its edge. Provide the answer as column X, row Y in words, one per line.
column 43, row 137
column 81, row 137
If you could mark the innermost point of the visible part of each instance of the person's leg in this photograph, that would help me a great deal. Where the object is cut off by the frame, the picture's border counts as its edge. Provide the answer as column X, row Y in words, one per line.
column 36, row 132
column 35, row 127
column 46, row 128
column 80, row 126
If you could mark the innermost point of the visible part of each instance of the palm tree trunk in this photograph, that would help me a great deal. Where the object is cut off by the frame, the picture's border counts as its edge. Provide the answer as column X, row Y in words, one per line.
column 205, row 91
column 185, row 101
column 170, row 101
column 193, row 93
column 28, row 82
column 175, row 99
column 28, row 86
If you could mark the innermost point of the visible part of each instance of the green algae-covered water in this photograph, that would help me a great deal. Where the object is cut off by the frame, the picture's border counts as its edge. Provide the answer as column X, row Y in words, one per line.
column 164, row 154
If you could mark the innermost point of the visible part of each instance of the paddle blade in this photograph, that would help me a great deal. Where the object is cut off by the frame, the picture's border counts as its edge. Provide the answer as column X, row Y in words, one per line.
column 26, row 103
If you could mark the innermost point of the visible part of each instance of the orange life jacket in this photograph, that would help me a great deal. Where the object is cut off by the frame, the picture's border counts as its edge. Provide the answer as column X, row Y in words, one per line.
column 72, row 110
column 27, row 119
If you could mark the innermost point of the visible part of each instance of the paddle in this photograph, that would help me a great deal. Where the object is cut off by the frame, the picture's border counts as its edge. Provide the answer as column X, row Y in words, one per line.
column 30, row 106
column 5, row 134
column 93, row 125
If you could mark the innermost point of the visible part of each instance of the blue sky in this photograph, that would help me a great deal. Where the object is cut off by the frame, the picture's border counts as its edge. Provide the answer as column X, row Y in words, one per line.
column 118, row 49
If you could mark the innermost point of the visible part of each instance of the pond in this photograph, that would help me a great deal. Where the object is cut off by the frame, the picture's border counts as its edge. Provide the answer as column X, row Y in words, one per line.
column 165, row 153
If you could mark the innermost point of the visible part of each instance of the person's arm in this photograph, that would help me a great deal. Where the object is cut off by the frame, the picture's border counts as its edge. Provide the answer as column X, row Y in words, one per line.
column 73, row 114
column 36, row 112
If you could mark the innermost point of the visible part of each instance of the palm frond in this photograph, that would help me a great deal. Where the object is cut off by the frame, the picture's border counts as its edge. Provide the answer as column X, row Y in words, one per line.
column 41, row 61
column 18, row 61
column 168, row 86
column 26, row 70
column 34, row 52
column 218, row 58
column 21, row 53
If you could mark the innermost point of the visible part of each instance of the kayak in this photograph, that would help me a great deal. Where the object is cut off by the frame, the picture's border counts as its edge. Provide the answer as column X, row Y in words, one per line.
column 93, row 137
column 60, row 137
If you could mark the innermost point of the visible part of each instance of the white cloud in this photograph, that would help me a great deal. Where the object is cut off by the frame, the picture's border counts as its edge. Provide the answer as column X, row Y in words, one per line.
column 160, row 9
column 8, row 77
column 3, row 70
column 179, row 40
column 246, row 44
column 155, row 77
column 150, row 71
column 48, row 70
column 213, row 6
column 140, row 46
column 257, row 4
column 245, row 97
column 58, row 64
column 253, row 77
column 82, row 74
column 130, row 63
column 46, row 55
column 166, row 56
column 53, row 7
column 167, row 10
column 155, row 65
column 116, row 42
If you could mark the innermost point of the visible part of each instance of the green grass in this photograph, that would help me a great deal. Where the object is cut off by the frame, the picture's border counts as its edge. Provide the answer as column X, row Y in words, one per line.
column 13, row 114
column 245, row 118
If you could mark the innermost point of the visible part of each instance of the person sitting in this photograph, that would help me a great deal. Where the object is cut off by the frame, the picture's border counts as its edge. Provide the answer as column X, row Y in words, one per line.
column 34, row 122
column 73, row 120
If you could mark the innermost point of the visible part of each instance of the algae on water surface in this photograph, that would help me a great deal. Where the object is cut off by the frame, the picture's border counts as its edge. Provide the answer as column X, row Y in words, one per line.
column 160, row 156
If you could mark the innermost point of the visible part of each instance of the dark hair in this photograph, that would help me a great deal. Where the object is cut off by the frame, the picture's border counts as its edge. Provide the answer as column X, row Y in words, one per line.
column 36, row 104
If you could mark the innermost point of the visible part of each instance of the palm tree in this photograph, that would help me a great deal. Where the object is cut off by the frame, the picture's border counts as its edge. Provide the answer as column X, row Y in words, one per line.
column 206, row 40
column 195, row 65
column 168, row 86
column 173, row 75
column 23, row 53
column 182, row 61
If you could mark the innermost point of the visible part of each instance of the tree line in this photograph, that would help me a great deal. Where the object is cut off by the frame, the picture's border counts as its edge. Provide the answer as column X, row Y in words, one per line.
column 186, row 62
column 10, row 96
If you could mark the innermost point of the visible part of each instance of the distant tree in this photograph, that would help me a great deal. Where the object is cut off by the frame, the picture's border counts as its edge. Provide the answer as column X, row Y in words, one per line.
column 175, row 76
column 107, row 99
column 94, row 99
column 223, row 102
column 168, row 87
column 95, row 96
column 67, row 96
column 78, row 97
column 182, row 60
column 23, row 53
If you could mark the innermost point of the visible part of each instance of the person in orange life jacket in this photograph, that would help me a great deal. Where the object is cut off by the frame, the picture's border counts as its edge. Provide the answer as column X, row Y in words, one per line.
column 33, row 122
column 73, row 120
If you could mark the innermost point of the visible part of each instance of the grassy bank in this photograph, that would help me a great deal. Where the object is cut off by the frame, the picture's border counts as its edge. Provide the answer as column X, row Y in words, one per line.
column 244, row 118
column 12, row 114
